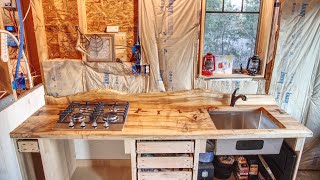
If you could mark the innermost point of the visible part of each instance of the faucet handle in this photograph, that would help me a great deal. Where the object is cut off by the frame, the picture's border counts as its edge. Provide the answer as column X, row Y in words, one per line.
column 235, row 92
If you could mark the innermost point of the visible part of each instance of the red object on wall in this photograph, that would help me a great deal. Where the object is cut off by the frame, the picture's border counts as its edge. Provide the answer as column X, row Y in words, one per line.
column 208, row 64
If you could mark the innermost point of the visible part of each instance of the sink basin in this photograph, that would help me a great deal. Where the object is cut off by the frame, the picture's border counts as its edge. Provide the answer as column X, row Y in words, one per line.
column 245, row 119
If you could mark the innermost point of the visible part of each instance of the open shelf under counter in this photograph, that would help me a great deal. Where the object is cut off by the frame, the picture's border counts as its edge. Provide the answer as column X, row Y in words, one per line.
column 102, row 170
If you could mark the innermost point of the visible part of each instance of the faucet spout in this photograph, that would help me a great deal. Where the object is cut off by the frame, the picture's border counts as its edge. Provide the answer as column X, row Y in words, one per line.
column 235, row 98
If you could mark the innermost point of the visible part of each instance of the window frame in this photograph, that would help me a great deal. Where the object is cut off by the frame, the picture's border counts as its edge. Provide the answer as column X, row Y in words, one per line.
column 262, row 40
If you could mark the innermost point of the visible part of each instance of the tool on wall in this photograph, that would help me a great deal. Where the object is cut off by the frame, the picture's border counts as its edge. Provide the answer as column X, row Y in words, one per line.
column 136, row 51
column 83, row 42
column 138, row 68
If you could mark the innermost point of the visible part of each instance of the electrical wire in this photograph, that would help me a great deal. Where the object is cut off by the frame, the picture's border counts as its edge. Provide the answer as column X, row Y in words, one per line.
column 23, row 55
column 12, row 19
column 26, row 15
column 3, row 93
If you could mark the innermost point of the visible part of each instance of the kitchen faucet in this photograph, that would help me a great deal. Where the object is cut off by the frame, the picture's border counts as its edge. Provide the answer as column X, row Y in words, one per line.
column 235, row 98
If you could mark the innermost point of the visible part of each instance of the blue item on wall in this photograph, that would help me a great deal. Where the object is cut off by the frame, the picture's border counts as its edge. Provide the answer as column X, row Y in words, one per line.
column 15, row 83
column 10, row 28
column 11, row 42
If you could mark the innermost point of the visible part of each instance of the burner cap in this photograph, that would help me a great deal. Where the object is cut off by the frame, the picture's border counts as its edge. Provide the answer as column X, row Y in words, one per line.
column 110, row 117
column 114, row 108
column 84, row 108
column 77, row 117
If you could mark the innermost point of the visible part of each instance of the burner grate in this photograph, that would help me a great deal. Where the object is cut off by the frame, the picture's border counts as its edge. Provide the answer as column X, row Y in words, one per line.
column 94, row 115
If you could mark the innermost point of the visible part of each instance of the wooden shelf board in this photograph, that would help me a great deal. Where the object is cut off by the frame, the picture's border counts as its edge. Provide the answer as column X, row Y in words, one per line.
column 231, row 76
column 107, row 170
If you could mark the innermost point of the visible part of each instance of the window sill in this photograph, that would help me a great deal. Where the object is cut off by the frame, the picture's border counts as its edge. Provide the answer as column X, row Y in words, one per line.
column 231, row 76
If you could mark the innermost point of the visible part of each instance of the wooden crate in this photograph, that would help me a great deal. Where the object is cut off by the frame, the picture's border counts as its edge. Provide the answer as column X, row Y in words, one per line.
column 165, row 161
column 165, row 147
column 186, row 174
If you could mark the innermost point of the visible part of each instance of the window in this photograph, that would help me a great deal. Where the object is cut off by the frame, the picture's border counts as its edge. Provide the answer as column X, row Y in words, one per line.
column 231, row 28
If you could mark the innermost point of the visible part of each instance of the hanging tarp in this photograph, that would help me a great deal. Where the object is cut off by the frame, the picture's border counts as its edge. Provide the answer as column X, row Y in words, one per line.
column 65, row 77
column 297, row 56
column 169, row 34
column 295, row 82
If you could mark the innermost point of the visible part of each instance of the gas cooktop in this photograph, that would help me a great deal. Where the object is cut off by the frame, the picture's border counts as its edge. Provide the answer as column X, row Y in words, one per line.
column 107, row 116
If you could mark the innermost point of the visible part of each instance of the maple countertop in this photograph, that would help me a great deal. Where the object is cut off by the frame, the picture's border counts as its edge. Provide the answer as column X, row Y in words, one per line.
column 175, row 115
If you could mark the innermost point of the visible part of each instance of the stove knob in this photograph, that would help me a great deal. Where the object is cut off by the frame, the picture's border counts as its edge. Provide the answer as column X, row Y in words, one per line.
column 83, row 124
column 71, row 124
column 106, row 124
column 94, row 125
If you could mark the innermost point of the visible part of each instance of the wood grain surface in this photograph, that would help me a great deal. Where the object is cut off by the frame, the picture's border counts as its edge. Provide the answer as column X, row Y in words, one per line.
column 176, row 115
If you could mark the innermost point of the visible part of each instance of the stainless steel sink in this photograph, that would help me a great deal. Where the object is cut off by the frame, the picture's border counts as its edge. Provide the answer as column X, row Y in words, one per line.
column 241, row 119
column 245, row 119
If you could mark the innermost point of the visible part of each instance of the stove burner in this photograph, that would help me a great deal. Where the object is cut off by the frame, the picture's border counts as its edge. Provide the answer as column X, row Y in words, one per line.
column 114, row 109
column 77, row 117
column 107, row 116
column 84, row 108
column 110, row 117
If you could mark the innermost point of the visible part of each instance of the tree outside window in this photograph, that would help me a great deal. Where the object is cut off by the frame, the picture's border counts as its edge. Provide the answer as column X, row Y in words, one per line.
column 231, row 28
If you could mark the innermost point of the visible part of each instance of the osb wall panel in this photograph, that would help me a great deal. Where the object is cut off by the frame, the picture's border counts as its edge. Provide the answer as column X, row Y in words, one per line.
column 122, row 13
column 61, row 17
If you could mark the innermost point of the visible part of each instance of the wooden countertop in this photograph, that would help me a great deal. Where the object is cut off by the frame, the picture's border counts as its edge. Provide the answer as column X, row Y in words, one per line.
column 177, row 115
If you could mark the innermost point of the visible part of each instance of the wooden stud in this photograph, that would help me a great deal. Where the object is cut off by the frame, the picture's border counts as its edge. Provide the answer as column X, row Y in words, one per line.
column 300, row 142
column 265, row 27
column 295, row 144
column 82, row 14
column 203, row 145
column 133, row 160
column 197, row 150
column 127, row 146
column 6, row 77
column 202, row 32
column 41, row 38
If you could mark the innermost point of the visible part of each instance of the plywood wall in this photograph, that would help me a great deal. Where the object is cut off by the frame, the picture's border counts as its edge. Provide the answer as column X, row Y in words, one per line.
column 61, row 17
column 122, row 13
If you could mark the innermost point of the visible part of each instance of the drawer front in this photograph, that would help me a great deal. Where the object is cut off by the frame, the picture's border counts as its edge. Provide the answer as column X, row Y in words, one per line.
column 165, row 147
column 168, row 175
column 247, row 146
column 165, row 162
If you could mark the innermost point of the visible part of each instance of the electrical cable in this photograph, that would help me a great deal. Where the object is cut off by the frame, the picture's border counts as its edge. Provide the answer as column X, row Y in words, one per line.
column 21, row 38
column 26, row 15
column 3, row 93
column 23, row 55
column 12, row 19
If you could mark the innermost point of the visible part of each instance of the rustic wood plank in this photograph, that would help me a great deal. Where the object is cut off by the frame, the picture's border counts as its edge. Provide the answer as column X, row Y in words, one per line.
column 163, row 116
column 185, row 175
column 165, row 147
column 165, row 162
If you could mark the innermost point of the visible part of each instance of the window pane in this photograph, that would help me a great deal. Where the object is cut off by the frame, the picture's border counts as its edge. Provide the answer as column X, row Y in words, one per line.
column 214, row 5
column 251, row 6
column 232, row 5
column 231, row 34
